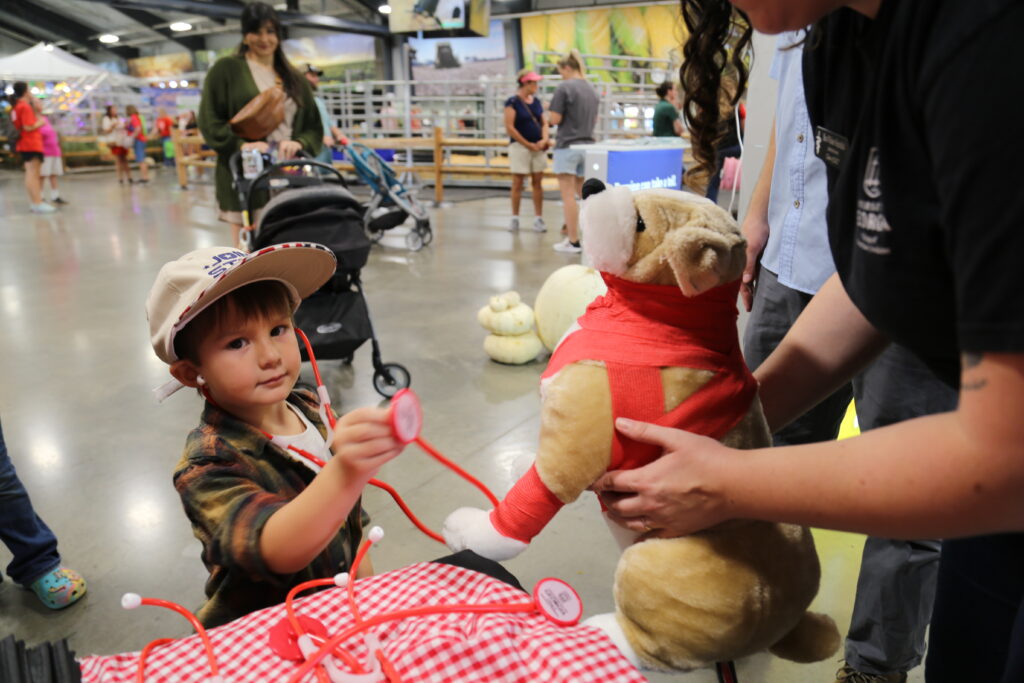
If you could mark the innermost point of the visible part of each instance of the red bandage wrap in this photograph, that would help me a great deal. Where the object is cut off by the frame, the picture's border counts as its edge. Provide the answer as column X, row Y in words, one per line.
column 527, row 508
column 637, row 329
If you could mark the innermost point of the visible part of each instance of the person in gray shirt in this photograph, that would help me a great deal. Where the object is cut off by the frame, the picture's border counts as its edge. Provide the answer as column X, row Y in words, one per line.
column 574, row 110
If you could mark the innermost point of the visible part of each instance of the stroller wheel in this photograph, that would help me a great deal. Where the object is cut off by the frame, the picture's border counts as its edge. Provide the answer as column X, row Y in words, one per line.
column 414, row 240
column 423, row 227
column 390, row 378
column 372, row 235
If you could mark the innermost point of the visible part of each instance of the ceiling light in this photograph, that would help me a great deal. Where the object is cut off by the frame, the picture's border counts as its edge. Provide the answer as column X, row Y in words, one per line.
column 163, row 85
column 109, row 38
column 384, row 9
column 173, row 84
column 181, row 26
column 183, row 84
column 48, row 47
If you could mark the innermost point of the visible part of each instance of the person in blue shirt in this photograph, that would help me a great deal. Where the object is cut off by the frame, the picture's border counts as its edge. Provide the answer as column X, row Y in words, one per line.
column 331, row 132
column 786, row 220
column 527, row 150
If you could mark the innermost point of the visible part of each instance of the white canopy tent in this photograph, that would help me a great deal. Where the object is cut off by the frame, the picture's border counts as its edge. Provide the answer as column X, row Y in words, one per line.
column 43, row 62
column 74, row 83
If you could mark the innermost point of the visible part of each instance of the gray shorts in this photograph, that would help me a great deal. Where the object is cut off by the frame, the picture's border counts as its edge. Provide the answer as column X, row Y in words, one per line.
column 568, row 160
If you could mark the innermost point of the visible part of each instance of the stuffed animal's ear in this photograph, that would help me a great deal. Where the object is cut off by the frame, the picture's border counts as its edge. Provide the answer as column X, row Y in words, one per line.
column 702, row 259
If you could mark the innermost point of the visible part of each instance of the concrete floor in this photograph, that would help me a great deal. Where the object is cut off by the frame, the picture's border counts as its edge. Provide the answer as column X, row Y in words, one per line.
column 96, row 451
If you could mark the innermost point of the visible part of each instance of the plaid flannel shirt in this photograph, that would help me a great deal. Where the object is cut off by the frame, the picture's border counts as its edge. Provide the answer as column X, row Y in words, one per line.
column 231, row 479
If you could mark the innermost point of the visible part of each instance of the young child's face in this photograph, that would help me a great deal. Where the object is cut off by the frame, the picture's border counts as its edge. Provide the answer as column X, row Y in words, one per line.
column 248, row 363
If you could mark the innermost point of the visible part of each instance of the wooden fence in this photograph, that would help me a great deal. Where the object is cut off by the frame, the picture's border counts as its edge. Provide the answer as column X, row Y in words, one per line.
column 437, row 169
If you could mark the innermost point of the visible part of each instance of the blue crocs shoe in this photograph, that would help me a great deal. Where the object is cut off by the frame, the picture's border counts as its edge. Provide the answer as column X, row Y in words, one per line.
column 59, row 588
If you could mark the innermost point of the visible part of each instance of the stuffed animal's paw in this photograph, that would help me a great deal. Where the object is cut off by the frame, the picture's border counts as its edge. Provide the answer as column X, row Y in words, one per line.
column 611, row 627
column 470, row 528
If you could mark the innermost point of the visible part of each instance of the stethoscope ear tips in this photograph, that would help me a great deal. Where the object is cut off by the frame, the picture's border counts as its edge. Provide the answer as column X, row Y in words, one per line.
column 376, row 533
column 131, row 600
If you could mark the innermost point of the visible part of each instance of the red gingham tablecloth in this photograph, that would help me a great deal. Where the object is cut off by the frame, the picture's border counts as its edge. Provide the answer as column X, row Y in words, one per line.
column 503, row 647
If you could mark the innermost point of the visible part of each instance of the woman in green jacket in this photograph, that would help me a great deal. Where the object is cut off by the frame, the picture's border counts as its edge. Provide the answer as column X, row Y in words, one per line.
column 233, row 81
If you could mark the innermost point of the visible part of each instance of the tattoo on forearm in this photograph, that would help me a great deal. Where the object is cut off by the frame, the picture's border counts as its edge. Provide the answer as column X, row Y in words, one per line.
column 971, row 360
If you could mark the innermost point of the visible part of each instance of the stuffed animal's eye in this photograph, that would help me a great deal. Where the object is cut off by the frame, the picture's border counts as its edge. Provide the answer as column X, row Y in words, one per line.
column 640, row 225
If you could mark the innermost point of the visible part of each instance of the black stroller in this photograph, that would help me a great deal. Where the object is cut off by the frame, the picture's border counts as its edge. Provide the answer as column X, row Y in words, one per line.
column 310, row 203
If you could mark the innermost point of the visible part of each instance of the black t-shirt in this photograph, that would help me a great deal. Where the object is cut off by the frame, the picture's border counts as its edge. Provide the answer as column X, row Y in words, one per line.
column 926, row 205
column 527, row 117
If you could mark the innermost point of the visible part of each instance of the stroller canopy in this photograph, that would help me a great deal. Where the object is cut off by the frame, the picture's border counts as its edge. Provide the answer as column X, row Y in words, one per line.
column 325, row 214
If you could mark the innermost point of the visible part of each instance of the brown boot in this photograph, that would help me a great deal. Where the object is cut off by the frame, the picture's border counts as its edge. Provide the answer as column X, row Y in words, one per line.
column 847, row 674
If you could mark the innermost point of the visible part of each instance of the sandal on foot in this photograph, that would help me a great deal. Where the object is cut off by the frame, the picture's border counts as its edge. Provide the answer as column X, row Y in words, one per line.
column 60, row 588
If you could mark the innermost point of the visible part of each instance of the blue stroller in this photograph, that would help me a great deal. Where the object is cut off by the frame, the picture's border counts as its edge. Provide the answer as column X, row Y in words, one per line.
column 391, row 203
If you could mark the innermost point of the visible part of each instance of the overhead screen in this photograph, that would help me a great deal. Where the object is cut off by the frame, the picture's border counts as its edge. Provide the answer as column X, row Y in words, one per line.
column 440, row 18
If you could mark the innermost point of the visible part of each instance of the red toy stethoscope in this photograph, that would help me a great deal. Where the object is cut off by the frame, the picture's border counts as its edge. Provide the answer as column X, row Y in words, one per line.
column 296, row 637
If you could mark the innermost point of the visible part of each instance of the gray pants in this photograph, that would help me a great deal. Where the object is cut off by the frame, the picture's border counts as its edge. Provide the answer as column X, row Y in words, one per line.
column 896, row 587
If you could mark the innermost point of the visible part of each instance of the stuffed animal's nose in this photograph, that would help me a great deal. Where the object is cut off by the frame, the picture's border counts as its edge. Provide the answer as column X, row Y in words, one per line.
column 592, row 186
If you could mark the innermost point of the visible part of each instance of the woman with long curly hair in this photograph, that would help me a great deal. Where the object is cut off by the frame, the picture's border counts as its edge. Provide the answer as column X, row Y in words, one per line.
column 923, row 258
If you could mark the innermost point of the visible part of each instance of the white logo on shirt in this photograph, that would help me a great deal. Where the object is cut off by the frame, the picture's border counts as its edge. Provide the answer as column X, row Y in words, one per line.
column 872, row 227
column 872, row 184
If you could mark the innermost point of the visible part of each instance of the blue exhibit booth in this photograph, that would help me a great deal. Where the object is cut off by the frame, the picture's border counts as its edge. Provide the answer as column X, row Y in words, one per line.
column 639, row 164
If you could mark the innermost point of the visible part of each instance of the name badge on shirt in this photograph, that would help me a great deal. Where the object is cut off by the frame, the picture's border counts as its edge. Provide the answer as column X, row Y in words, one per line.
column 830, row 147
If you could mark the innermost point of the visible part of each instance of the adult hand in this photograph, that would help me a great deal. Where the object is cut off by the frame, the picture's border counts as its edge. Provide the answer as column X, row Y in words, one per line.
column 673, row 496
column 289, row 149
column 534, row 146
column 755, row 231
column 261, row 146
column 364, row 441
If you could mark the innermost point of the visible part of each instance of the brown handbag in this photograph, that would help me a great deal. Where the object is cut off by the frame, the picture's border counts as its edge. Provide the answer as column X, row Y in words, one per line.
column 260, row 116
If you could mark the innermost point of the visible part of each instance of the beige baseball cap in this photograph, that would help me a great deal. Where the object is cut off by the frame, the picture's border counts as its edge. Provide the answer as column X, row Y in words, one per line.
column 187, row 286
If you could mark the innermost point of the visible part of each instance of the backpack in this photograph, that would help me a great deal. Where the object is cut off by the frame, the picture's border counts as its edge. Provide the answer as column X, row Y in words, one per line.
column 9, row 130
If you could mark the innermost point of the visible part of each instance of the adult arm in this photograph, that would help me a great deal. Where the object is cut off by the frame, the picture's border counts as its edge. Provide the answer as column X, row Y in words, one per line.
column 32, row 122
column 307, row 128
column 755, row 223
column 510, row 127
column 215, row 109
column 954, row 474
column 557, row 109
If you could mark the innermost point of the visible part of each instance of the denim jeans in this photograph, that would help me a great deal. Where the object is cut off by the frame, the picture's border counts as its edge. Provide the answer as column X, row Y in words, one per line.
column 27, row 537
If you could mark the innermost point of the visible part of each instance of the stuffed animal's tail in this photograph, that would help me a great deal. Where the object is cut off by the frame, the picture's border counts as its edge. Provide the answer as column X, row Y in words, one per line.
column 813, row 639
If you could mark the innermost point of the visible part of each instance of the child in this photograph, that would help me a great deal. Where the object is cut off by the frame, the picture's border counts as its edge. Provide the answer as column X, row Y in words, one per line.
column 53, row 163
column 267, row 517
column 136, row 129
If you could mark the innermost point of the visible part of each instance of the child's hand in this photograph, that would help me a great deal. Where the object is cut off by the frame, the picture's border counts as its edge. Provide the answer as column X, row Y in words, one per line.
column 364, row 441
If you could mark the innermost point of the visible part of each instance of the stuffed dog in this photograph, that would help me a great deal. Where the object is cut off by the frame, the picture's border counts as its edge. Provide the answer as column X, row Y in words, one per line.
column 661, row 346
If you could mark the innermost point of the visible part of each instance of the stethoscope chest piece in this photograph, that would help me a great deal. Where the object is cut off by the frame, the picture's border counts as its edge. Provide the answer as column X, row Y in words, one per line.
column 558, row 601
column 284, row 641
column 406, row 416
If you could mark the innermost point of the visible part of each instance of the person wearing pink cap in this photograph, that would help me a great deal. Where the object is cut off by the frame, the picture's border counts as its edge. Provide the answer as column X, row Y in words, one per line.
column 527, row 150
